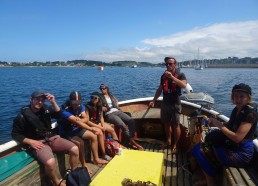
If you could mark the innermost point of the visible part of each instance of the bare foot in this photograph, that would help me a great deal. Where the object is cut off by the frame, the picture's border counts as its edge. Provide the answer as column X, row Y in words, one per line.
column 100, row 161
column 174, row 150
column 136, row 145
column 88, row 168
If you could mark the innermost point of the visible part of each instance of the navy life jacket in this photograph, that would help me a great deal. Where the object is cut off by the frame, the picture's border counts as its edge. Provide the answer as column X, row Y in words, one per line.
column 41, row 121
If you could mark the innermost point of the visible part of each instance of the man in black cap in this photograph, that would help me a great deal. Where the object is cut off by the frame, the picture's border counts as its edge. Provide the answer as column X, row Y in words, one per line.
column 32, row 127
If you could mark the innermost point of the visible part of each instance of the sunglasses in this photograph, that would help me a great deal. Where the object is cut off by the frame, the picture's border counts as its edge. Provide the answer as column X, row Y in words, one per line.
column 103, row 88
column 75, row 102
column 94, row 97
column 38, row 99
column 169, row 64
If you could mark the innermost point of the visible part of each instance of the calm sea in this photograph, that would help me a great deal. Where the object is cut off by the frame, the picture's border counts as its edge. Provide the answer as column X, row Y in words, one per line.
column 17, row 84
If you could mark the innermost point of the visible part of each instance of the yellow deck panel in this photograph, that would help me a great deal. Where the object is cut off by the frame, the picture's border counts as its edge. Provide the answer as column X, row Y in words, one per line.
column 132, row 164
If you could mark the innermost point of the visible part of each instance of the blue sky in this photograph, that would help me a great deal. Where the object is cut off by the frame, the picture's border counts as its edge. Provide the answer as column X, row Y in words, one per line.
column 140, row 30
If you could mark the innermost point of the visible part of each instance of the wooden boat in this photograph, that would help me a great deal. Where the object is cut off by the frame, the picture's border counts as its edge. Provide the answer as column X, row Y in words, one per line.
column 151, row 135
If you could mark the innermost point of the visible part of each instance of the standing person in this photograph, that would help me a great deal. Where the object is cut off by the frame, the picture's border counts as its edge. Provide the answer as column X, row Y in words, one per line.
column 94, row 112
column 33, row 128
column 114, row 115
column 171, row 83
column 73, row 126
column 232, row 143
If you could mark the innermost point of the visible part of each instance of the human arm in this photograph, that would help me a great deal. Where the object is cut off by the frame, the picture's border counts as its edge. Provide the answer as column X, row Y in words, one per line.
column 19, row 134
column 181, row 83
column 90, row 123
column 237, row 136
column 51, row 99
column 157, row 94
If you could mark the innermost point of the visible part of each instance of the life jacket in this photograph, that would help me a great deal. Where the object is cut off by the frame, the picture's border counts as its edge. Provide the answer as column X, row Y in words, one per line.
column 95, row 116
column 235, row 121
column 105, row 104
column 169, row 87
column 41, row 122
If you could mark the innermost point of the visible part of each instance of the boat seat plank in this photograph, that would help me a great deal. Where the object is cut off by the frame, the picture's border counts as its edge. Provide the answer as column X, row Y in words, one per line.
column 240, row 176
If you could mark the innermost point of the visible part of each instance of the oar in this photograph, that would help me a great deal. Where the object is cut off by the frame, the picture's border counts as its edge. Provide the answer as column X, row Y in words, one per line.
column 146, row 112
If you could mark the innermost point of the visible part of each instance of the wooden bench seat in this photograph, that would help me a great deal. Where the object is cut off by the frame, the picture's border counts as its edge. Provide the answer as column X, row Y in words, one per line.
column 241, row 176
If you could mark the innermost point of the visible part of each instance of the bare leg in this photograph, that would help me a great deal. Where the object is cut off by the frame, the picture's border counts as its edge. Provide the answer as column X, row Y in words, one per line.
column 80, row 143
column 168, row 130
column 50, row 170
column 177, row 133
column 94, row 147
column 74, row 157
column 111, row 131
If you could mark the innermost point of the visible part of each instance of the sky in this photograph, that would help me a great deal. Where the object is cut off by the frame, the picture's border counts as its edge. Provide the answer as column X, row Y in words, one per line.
column 137, row 30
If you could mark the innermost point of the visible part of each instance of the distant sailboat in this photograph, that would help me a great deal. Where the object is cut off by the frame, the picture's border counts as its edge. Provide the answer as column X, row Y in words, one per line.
column 199, row 66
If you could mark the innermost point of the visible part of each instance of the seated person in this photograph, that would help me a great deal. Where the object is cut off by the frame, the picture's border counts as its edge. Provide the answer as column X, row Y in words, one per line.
column 73, row 127
column 120, row 119
column 232, row 143
column 93, row 110
column 33, row 128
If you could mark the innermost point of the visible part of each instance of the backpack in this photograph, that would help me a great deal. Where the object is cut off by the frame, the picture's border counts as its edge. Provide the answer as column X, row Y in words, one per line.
column 112, row 147
column 77, row 177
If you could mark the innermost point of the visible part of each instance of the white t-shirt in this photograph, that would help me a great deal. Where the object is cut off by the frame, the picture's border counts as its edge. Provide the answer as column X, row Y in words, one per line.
column 109, row 102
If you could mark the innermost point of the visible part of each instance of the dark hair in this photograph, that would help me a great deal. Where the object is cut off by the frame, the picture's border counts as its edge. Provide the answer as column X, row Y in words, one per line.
column 167, row 58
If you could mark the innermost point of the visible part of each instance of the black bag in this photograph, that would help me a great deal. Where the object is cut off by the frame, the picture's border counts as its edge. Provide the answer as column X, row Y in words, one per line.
column 78, row 177
column 215, row 137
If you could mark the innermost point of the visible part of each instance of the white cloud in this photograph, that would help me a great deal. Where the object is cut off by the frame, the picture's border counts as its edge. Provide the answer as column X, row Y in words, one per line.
column 219, row 40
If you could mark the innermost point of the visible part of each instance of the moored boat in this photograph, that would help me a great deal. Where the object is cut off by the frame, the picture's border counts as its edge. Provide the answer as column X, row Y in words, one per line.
column 150, row 133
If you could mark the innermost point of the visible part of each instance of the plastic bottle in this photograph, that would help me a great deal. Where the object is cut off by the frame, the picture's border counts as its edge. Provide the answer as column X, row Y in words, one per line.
column 120, row 151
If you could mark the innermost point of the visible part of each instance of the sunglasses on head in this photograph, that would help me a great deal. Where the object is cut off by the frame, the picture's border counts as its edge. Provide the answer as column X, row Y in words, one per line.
column 94, row 97
column 76, row 102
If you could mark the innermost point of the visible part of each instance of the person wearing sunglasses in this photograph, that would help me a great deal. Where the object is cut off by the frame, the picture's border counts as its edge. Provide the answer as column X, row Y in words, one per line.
column 32, row 127
column 114, row 115
column 73, row 126
column 95, row 113
column 171, row 82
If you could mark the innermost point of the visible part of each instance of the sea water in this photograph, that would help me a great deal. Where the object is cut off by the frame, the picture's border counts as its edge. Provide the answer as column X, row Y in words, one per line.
column 17, row 84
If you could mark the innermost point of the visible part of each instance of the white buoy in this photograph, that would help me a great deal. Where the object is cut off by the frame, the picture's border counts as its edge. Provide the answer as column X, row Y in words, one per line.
column 188, row 88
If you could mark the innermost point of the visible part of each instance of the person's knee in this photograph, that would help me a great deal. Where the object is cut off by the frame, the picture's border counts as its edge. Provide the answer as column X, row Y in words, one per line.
column 50, row 164
column 74, row 151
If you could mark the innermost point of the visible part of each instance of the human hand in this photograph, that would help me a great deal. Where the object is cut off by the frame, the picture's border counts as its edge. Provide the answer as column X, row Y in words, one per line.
column 151, row 104
column 35, row 144
column 95, row 131
column 214, row 122
column 104, row 109
column 50, row 97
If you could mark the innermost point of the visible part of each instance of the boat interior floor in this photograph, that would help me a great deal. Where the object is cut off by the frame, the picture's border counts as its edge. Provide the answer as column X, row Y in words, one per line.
column 176, row 165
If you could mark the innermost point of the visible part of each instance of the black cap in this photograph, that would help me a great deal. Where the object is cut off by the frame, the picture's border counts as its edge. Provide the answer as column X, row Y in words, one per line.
column 37, row 93
column 74, row 95
column 103, row 86
column 243, row 88
column 95, row 94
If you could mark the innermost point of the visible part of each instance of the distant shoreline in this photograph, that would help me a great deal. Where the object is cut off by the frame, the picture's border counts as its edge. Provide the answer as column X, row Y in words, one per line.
column 233, row 66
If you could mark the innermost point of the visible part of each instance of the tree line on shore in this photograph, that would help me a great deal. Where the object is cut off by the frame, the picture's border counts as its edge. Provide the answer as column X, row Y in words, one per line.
column 234, row 61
